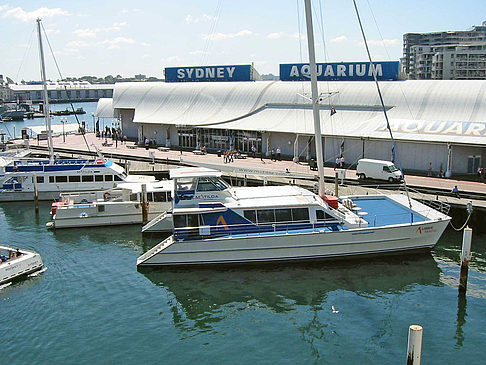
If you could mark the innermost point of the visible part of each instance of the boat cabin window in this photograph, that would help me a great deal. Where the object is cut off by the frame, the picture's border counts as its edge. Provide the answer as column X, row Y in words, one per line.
column 134, row 197
column 108, row 177
column 186, row 220
column 118, row 178
column 266, row 216
column 150, row 197
column 61, row 179
column 206, row 184
column 40, row 179
column 160, row 196
column 88, row 178
column 185, row 184
column 283, row 215
column 74, row 178
column 51, row 179
column 98, row 177
column 250, row 215
column 322, row 215
column 300, row 214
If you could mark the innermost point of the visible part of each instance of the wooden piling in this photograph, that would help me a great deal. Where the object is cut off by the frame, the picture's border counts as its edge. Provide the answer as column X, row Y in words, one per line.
column 465, row 258
column 144, row 204
column 36, row 194
column 414, row 352
column 336, row 184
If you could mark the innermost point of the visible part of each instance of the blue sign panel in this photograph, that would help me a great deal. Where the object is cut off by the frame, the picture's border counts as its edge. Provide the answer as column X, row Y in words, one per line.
column 208, row 73
column 344, row 71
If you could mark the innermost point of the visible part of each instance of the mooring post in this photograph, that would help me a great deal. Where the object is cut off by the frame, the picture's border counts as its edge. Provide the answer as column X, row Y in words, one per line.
column 414, row 352
column 465, row 258
column 36, row 195
column 336, row 184
column 244, row 181
column 144, row 204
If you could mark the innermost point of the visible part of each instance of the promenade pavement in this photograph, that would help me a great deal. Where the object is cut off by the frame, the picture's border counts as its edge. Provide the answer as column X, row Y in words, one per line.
column 77, row 144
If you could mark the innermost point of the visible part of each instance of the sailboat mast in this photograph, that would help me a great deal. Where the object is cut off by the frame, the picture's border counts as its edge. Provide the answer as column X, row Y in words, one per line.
column 315, row 97
column 46, row 98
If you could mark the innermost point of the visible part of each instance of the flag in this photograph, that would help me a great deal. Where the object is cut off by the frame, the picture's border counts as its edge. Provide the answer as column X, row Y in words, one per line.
column 333, row 111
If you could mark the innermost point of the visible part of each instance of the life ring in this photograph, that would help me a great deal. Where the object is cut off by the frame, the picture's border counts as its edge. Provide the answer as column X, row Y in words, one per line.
column 99, row 161
column 106, row 195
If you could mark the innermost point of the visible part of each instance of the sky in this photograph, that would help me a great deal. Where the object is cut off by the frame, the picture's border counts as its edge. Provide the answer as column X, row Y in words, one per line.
column 100, row 38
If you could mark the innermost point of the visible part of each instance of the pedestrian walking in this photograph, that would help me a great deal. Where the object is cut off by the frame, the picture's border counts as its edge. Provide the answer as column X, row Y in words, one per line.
column 272, row 155
column 278, row 154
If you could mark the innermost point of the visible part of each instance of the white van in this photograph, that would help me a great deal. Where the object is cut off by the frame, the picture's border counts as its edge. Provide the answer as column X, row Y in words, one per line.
column 378, row 169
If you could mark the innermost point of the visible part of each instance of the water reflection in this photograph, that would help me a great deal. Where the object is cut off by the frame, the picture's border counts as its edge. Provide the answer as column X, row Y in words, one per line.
column 201, row 295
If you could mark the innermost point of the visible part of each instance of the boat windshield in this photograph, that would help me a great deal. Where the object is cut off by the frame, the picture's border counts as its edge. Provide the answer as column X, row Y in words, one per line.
column 211, row 184
column 185, row 184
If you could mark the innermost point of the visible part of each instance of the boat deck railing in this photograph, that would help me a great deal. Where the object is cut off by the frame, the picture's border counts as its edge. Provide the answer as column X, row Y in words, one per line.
column 248, row 229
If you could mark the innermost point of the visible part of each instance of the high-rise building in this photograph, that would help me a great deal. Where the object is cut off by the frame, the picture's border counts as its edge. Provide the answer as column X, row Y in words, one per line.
column 453, row 55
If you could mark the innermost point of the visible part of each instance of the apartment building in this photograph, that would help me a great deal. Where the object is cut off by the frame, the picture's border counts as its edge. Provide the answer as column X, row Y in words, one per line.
column 454, row 55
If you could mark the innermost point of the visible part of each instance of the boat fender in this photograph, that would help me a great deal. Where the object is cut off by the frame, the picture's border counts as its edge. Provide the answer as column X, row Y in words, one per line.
column 106, row 195
column 83, row 215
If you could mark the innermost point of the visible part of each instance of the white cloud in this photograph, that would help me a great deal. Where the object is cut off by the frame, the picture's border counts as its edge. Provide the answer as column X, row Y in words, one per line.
column 198, row 52
column 302, row 36
column 172, row 60
column 221, row 36
column 116, row 42
column 384, row 42
column 93, row 32
column 29, row 16
column 339, row 39
column 204, row 18
column 78, row 44
column 276, row 35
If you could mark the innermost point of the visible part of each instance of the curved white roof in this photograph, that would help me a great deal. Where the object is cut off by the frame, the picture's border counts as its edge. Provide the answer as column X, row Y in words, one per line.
column 104, row 108
column 429, row 110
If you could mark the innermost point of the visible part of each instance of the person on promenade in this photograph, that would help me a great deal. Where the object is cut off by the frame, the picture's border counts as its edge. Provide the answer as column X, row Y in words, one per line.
column 272, row 155
column 455, row 191
column 429, row 171
column 278, row 154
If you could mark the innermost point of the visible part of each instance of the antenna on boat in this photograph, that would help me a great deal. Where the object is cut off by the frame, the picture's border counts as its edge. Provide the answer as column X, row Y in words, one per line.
column 315, row 97
column 46, row 98
column 372, row 66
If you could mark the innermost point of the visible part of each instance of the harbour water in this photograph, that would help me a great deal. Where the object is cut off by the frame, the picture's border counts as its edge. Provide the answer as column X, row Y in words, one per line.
column 13, row 129
column 92, row 306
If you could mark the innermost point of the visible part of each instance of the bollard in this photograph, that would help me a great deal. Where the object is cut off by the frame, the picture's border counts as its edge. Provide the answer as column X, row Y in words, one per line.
column 144, row 204
column 244, row 181
column 414, row 351
column 465, row 258
column 36, row 195
column 336, row 185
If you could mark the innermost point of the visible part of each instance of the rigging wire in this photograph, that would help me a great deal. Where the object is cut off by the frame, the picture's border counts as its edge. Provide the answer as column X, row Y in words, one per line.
column 394, row 150
column 65, row 87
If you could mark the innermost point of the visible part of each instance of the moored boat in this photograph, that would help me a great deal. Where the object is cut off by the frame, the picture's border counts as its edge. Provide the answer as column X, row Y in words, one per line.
column 216, row 224
column 118, row 206
column 15, row 263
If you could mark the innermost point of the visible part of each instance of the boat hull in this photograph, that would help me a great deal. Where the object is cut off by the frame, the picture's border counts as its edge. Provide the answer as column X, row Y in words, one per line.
column 13, row 269
column 299, row 246
column 88, row 215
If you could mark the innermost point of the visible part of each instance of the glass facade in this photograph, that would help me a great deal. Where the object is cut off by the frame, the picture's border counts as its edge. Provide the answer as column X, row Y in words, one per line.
column 219, row 139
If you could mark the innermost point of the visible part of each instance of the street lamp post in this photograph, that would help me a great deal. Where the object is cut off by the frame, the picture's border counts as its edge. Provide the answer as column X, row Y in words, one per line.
column 94, row 124
column 63, row 133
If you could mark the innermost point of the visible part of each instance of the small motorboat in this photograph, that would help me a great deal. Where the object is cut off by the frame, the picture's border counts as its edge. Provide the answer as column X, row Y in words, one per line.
column 15, row 262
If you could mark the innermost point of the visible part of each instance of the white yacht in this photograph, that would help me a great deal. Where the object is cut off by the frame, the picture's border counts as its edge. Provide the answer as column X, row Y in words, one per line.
column 15, row 263
column 20, row 178
column 118, row 206
column 216, row 224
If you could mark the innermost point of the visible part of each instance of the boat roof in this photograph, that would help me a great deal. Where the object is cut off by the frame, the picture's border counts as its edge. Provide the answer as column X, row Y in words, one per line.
column 274, row 196
column 136, row 187
column 192, row 172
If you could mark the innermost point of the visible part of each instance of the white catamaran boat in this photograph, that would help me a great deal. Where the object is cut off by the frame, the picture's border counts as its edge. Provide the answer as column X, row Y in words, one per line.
column 21, row 178
column 121, row 205
column 15, row 263
column 216, row 224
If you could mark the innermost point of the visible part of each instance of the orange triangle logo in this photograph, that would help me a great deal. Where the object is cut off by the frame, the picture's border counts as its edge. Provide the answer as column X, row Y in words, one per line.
column 222, row 221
